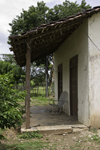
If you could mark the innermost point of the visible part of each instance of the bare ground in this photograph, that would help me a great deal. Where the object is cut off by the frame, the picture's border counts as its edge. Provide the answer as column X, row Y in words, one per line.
column 80, row 140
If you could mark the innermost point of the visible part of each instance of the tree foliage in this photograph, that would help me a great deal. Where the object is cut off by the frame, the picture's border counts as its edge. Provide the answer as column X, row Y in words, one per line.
column 8, row 58
column 29, row 19
column 84, row 6
column 41, row 14
column 8, row 66
column 10, row 109
column 17, row 72
column 37, row 74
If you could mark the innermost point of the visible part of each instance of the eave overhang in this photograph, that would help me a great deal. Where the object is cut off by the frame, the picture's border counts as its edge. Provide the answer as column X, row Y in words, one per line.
column 46, row 39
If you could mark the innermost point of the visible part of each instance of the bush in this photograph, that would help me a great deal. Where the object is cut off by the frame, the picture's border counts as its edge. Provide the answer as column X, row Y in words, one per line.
column 10, row 109
column 30, row 135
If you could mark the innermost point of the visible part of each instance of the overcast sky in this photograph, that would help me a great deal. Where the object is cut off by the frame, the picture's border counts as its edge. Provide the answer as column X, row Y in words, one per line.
column 10, row 8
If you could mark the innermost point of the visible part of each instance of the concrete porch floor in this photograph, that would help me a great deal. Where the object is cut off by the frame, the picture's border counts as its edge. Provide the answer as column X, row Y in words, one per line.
column 42, row 116
column 43, row 120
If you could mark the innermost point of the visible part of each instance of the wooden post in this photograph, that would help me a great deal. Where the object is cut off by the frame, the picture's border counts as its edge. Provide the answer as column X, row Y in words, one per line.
column 46, row 76
column 27, row 88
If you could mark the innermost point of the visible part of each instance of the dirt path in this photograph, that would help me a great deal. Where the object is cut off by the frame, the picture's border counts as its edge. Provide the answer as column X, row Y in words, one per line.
column 83, row 140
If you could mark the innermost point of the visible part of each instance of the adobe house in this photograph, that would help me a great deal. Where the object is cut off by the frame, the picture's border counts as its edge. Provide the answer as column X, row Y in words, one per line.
column 75, row 42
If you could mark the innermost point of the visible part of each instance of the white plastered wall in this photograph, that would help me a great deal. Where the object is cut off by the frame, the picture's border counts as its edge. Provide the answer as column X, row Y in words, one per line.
column 94, row 69
column 77, row 43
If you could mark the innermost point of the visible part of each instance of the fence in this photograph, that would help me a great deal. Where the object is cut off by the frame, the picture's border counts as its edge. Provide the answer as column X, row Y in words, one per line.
column 41, row 90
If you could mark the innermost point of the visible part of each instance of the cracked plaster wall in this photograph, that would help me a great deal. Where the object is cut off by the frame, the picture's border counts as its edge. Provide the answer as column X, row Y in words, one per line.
column 94, row 69
column 77, row 43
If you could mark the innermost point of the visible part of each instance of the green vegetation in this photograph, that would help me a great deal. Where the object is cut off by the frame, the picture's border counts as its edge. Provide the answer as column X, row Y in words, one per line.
column 38, row 96
column 74, row 141
column 1, row 135
column 30, row 135
column 38, row 91
column 8, row 66
column 10, row 109
column 41, row 14
column 95, row 138
column 39, row 101
column 41, row 91
column 12, row 69
column 33, row 145
column 94, row 130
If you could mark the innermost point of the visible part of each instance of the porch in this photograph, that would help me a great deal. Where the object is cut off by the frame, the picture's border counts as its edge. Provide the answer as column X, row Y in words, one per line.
column 42, row 116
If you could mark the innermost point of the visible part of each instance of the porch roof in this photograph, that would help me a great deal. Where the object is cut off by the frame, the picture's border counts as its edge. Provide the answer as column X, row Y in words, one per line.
column 45, row 39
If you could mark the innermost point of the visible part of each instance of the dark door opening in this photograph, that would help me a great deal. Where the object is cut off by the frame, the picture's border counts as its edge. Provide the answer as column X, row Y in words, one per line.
column 74, row 86
column 59, row 80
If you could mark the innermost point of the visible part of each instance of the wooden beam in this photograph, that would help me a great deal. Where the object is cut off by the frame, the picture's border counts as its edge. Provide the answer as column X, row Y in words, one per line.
column 27, row 87
column 46, row 76
column 42, row 35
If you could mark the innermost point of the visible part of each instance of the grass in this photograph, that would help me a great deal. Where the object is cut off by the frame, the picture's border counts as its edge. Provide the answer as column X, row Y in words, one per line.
column 28, row 141
column 40, row 91
column 38, row 98
column 1, row 135
column 33, row 145
column 94, row 130
column 81, row 143
column 39, row 101
column 95, row 138
column 25, row 141
column 30, row 135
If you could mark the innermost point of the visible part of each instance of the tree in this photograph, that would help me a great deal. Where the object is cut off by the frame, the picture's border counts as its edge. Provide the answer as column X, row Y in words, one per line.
column 84, row 6
column 29, row 19
column 66, row 9
column 41, row 14
column 37, row 74
column 18, row 73
column 8, row 66
column 5, row 67
column 8, row 58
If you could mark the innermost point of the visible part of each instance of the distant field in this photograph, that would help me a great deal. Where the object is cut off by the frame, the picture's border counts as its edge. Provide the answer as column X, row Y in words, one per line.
column 40, row 91
column 38, row 96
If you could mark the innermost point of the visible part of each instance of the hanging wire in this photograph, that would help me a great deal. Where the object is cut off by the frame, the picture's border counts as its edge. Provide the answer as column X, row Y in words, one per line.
column 93, row 42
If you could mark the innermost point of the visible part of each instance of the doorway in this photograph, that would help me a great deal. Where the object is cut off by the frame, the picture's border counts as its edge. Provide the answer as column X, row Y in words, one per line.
column 74, row 86
column 59, row 80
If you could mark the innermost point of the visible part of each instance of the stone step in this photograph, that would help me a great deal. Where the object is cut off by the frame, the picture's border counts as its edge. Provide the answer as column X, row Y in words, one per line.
column 59, row 129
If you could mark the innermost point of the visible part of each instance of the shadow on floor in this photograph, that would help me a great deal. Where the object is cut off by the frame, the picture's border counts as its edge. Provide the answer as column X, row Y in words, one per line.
column 42, row 116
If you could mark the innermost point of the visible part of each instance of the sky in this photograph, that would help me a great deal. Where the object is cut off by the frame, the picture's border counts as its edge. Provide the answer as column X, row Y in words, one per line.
column 9, row 9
